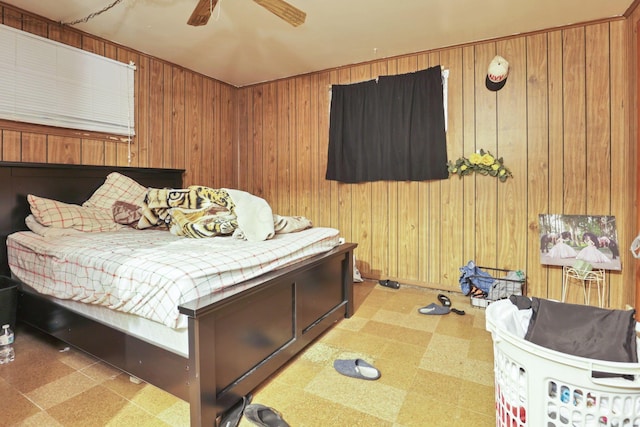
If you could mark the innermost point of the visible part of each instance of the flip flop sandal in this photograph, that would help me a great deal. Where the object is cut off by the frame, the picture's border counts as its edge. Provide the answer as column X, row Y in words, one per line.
column 444, row 300
column 458, row 312
column 389, row 284
column 264, row 416
column 434, row 309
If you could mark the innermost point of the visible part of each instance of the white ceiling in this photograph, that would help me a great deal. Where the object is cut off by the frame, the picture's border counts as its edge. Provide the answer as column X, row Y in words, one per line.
column 245, row 44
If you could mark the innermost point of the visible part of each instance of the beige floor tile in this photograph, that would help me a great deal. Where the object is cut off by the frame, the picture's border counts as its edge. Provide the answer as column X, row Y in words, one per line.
column 371, row 397
column 395, row 333
column 411, row 319
column 403, row 301
column 101, row 372
column 420, row 410
column 478, row 371
column 406, row 356
column 367, row 312
column 124, row 386
column 177, row 415
column 479, row 398
column 14, row 406
column 40, row 419
column 152, row 399
column 333, row 414
column 95, row 407
column 29, row 372
column 441, row 387
column 481, row 346
column 61, row 389
column 457, row 326
column 76, row 359
column 395, row 373
column 132, row 415
column 466, row 416
column 298, row 374
column 355, row 323
column 355, row 342
column 320, row 352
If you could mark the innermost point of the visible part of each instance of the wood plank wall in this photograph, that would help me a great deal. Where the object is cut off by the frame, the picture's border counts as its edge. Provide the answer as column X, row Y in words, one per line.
column 561, row 123
column 183, row 120
column 634, row 65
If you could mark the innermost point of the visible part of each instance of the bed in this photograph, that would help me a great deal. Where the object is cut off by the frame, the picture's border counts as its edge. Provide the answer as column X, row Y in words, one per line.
column 224, row 360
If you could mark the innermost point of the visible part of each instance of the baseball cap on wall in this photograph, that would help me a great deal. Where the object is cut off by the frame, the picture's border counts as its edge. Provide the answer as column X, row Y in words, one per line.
column 497, row 73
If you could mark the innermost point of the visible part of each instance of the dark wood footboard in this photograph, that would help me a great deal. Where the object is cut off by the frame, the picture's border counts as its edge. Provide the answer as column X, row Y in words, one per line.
column 235, row 343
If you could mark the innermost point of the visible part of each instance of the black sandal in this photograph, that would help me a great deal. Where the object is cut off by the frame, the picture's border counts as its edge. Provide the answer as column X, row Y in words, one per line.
column 444, row 300
column 389, row 284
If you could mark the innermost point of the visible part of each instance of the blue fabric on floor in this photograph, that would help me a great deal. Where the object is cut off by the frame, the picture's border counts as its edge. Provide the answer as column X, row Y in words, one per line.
column 471, row 274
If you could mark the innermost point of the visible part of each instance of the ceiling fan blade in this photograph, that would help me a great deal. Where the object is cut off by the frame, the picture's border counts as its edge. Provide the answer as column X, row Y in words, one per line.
column 284, row 10
column 202, row 12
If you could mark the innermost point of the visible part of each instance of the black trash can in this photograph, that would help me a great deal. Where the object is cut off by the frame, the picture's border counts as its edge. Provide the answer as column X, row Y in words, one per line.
column 8, row 301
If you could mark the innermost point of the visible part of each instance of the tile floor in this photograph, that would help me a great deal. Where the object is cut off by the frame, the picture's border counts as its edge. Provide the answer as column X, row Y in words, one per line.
column 436, row 371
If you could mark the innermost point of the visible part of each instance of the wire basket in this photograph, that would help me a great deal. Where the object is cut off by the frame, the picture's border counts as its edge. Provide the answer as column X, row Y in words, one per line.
column 536, row 386
column 501, row 288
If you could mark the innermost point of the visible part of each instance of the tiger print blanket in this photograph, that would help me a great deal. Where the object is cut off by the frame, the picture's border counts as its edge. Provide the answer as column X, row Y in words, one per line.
column 195, row 211
column 199, row 211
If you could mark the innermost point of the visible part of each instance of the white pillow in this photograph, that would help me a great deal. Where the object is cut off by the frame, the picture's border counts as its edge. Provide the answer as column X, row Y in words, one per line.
column 255, row 217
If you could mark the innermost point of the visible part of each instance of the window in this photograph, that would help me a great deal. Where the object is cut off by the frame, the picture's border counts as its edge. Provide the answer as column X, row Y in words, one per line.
column 49, row 83
column 389, row 129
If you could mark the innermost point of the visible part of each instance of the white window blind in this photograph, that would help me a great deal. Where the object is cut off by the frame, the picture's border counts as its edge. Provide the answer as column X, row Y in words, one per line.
column 49, row 83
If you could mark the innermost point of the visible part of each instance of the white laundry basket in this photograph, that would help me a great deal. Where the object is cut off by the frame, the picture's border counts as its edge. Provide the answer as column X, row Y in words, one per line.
column 539, row 387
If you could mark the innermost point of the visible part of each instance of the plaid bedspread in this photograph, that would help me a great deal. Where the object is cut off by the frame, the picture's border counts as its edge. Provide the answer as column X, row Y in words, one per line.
column 150, row 272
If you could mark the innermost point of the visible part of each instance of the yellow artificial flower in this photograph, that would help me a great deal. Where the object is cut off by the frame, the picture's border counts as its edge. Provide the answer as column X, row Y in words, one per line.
column 487, row 159
column 475, row 158
column 463, row 167
column 495, row 166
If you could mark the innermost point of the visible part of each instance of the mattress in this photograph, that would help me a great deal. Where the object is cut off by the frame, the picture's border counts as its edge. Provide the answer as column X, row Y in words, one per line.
column 149, row 273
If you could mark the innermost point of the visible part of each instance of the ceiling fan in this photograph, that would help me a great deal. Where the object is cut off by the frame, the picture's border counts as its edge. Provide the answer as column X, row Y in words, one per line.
column 280, row 8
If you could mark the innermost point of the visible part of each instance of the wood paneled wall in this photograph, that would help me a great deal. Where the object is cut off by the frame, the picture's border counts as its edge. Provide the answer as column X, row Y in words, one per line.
column 562, row 124
column 183, row 119
column 634, row 55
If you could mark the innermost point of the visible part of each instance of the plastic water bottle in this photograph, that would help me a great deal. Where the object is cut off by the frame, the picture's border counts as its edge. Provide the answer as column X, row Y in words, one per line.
column 7, row 353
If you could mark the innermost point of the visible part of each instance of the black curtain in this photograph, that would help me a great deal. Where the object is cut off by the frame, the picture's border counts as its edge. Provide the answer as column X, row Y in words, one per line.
column 392, row 129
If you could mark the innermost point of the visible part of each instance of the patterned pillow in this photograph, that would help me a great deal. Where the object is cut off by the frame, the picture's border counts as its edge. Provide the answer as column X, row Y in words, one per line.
column 52, row 213
column 116, row 188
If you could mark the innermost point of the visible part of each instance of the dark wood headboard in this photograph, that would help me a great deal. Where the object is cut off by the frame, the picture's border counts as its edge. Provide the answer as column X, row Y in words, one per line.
column 66, row 183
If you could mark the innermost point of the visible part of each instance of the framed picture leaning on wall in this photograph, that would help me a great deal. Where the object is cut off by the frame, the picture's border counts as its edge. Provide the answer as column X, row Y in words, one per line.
column 567, row 238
